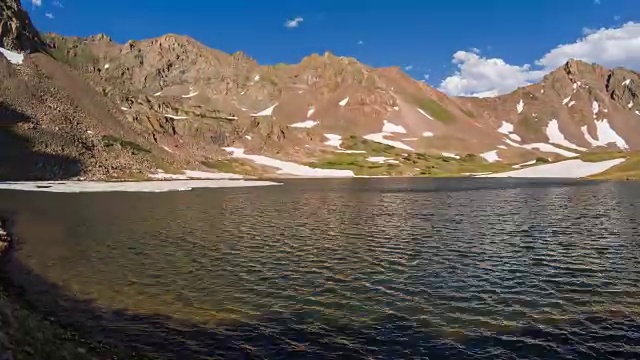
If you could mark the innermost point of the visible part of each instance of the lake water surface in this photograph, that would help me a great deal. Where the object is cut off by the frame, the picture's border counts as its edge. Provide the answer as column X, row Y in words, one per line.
column 355, row 268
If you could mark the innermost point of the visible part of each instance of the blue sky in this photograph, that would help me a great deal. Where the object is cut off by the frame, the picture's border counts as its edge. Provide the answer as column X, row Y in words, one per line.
column 418, row 33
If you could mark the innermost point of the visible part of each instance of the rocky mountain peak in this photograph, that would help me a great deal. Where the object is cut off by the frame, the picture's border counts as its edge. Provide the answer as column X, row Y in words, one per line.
column 16, row 30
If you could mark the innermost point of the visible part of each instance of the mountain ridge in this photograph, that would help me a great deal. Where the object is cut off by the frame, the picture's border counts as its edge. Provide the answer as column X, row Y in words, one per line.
column 190, row 103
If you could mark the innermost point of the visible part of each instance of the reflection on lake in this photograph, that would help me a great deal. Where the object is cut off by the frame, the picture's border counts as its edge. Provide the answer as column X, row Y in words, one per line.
column 356, row 268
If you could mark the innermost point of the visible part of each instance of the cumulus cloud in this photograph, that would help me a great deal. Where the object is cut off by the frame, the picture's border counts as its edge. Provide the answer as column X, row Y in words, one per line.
column 481, row 76
column 57, row 4
column 49, row 15
column 36, row 2
column 408, row 67
column 293, row 23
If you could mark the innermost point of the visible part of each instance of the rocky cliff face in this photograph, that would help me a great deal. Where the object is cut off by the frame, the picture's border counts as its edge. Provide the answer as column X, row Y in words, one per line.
column 16, row 30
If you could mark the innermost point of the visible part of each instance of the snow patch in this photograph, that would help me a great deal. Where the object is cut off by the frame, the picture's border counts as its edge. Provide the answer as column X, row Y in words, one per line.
column 506, row 128
column 626, row 82
column 502, row 147
column 344, row 101
column 424, row 113
column 290, row 168
column 191, row 94
column 450, row 155
column 575, row 86
column 630, row 104
column 410, row 139
column 524, row 164
column 106, row 66
column 124, row 108
column 266, row 112
column 637, row 112
column 396, row 108
column 310, row 111
column 556, row 137
column 351, row 151
column 589, row 138
column 391, row 128
column 541, row 91
column 573, row 169
column 520, row 106
column 379, row 159
column 566, row 100
column 607, row 135
column 491, row 156
column 175, row 116
column 334, row 140
column 256, row 78
column 247, row 137
column 572, row 103
column 427, row 134
column 193, row 174
column 595, row 107
column 305, row 124
column 166, row 148
column 13, row 57
column 515, row 137
column 379, row 138
column 158, row 93
column 128, row 186
column 542, row 147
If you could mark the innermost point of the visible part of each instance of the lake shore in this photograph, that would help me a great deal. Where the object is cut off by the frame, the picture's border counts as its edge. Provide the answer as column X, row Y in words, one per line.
column 27, row 334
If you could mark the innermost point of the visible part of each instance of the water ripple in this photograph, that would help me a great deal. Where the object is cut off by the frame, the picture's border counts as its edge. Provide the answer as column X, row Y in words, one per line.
column 365, row 268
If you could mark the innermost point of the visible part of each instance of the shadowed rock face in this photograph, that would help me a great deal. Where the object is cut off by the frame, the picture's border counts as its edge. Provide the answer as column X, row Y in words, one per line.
column 16, row 30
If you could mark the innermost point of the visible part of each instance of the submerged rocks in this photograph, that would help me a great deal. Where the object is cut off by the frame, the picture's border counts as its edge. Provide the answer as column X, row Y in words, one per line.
column 5, row 240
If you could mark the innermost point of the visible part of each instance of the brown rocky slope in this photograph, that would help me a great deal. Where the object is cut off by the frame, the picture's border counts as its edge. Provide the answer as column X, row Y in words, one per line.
column 172, row 100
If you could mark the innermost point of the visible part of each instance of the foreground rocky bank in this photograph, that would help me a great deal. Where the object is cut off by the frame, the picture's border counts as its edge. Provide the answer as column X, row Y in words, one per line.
column 26, row 334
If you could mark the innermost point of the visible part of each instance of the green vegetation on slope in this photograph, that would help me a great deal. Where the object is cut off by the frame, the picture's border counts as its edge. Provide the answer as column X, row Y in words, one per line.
column 110, row 140
column 411, row 164
column 72, row 53
column 434, row 109
column 628, row 170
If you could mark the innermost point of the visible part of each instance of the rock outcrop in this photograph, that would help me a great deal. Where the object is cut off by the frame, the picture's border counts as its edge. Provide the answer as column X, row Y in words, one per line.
column 16, row 30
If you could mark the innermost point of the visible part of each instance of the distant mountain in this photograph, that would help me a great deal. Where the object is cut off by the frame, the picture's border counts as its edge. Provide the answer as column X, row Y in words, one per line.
column 183, row 104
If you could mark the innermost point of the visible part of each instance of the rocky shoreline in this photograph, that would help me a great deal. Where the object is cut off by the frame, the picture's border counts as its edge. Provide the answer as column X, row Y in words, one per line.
column 27, row 334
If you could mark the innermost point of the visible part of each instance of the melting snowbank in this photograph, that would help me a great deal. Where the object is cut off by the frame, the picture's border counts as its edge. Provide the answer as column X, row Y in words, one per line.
column 192, row 174
column 307, row 124
column 573, row 169
column 288, row 168
column 13, row 57
column 266, row 112
column 379, row 138
column 128, row 186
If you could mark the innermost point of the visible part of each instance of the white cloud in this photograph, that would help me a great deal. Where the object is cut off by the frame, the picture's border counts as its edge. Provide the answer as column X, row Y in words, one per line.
column 408, row 67
column 481, row 76
column 597, row 2
column 360, row 42
column 425, row 76
column 57, row 3
column 49, row 15
column 36, row 2
column 293, row 23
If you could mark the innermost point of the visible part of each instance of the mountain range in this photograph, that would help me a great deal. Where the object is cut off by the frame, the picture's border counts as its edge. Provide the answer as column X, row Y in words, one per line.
column 91, row 108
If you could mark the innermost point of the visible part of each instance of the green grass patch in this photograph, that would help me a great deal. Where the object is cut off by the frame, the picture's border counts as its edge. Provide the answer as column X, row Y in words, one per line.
column 434, row 109
column 602, row 156
column 411, row 164
column 628, row 170
column 110, row 141
column 235, row 166
column 371, row 147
